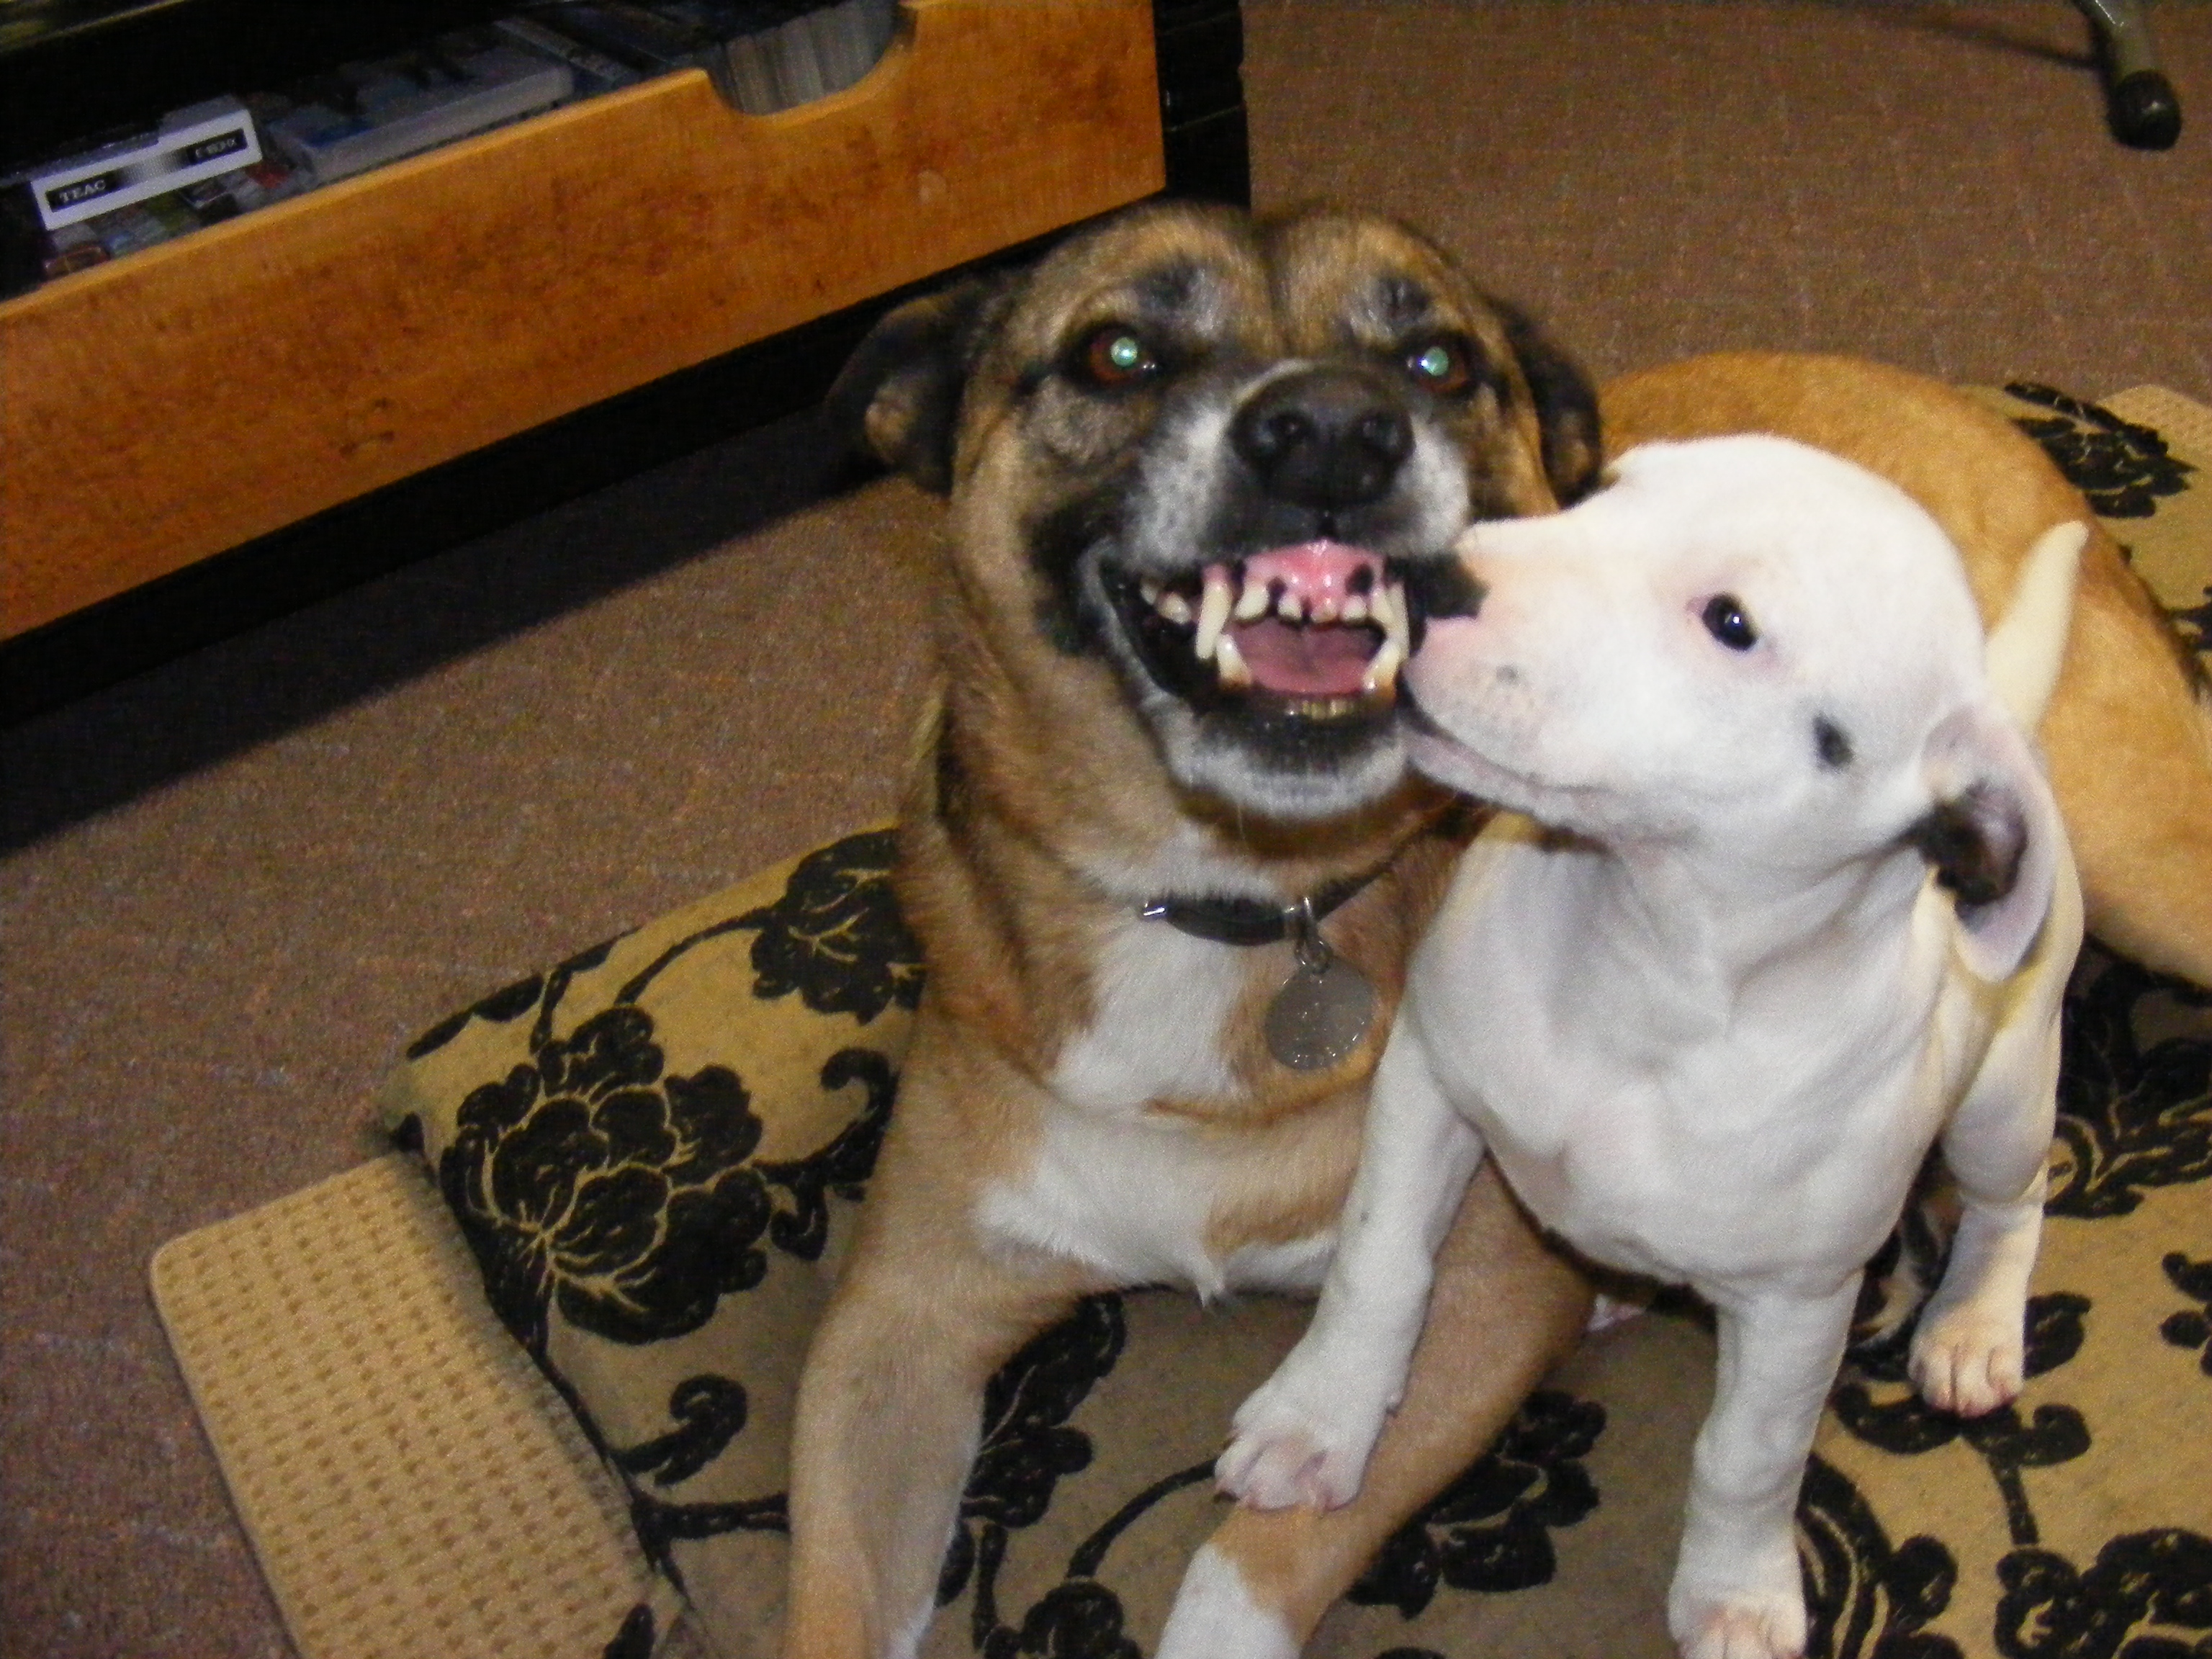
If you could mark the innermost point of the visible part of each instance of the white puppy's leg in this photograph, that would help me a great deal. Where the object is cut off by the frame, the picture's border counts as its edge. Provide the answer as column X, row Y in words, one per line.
column 1736, row 1593
column 1304, row 1435
column 1969, row 1352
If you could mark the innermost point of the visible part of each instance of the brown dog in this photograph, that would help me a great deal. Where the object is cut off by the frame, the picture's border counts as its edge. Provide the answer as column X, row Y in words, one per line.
column 1204, row 473
column 1178, row 415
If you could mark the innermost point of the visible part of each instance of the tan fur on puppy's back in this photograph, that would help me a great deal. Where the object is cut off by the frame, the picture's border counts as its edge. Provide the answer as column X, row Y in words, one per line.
column 2127, row 735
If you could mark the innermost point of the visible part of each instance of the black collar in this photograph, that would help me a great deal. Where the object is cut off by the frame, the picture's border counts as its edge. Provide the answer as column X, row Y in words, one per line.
column 1246, row 921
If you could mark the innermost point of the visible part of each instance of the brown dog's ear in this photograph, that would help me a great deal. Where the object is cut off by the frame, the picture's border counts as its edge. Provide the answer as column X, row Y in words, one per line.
column 1566, row 407
column 898, row 398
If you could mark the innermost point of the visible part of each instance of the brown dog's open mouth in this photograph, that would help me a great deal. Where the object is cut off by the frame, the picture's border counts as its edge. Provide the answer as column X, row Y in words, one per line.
column 1318, row 631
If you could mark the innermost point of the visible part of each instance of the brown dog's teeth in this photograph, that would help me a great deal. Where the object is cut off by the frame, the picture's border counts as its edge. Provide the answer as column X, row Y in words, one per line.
column 1383, row 669
column 1213, row 614
column 1324, row 611
column 1229, row 664
column 1252, row 602
column 1151, row 589
column 1290, row 607
column 1355, row 608
column 1176, row 608
column 1389, row 609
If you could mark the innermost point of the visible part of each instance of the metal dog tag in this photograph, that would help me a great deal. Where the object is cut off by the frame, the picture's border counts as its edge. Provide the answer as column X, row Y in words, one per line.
column 1323, row 1009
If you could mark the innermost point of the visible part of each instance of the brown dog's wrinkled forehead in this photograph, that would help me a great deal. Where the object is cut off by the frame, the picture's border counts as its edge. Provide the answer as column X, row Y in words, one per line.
column 1307, row 283
column 1219, row 299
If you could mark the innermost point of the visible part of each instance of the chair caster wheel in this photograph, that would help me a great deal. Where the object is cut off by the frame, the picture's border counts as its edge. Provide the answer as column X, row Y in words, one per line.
column 2146, row 114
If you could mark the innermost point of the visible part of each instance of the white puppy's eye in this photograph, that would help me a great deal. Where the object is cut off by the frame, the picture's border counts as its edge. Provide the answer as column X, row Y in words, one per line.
column 1725, row 621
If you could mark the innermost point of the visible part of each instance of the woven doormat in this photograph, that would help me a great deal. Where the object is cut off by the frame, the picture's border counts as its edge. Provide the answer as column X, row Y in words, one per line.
column 411, row 1483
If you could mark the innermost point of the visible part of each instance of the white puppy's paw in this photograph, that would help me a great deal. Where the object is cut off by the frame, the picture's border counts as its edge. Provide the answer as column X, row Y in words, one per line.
column 1968, row 1358
column 1290, row 1449
column 1752, row 1627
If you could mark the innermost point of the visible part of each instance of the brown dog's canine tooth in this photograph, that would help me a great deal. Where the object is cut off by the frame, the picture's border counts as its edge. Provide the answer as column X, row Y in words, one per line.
column 1383, row 672
column 1212, row 613
column 1229, row 663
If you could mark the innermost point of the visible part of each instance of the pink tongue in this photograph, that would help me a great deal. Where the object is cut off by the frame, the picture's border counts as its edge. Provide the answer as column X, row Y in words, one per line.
column 1304, row 662
column 1315, row 661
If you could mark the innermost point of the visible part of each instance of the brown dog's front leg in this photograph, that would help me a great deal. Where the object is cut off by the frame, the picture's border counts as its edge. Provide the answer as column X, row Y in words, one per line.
column 1503, row 1311
column 889, row 1410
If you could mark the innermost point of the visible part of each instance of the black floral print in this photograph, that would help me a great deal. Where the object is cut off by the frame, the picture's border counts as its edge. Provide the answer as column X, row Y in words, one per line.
column 2123, row 468
column 510, row 1002
column 2130, row 1117
column 661, row 1524
column 1490, row 1529
column 1081, row 1617
column 1078, row 1619
column 587, row 1177
column 710, row 1412
column 635, row 1639
column 1906, row 1426
column 1863, row 1599
column 1027, row 1443
column 800, row 1225
column 2192, row 1327
column 2158, row 1578
column 836, row 936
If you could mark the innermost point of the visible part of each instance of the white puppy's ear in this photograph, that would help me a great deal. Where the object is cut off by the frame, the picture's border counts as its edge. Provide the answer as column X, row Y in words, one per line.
column 1992, row 836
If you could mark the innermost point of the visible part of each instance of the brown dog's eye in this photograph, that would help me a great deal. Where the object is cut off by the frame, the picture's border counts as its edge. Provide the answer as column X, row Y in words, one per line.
column 1445, row 367
column 1116, row 356
column 1725, row 621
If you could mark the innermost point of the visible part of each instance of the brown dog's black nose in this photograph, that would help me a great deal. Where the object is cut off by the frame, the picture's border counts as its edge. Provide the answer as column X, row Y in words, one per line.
column 1324, row 438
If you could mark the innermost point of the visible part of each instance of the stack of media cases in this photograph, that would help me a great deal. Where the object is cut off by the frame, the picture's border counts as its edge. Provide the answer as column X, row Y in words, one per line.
column 113, row 193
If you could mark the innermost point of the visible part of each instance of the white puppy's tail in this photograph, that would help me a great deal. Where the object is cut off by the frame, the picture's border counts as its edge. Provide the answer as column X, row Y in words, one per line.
column 2026, row 648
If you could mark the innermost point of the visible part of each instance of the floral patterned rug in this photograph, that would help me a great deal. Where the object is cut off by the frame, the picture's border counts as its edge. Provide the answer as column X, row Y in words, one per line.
column 653, row 1152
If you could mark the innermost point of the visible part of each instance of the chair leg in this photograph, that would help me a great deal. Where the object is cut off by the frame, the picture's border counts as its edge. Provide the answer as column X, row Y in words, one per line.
column 2139, row 99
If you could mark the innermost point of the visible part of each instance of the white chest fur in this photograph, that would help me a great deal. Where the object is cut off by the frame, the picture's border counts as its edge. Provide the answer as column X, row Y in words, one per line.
column 1132, row 1197
column 1125, row 1190
column 1160, row 1002
column 1672, row 1120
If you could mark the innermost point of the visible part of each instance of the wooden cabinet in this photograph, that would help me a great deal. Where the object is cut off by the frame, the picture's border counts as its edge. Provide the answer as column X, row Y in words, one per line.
column 191, row 398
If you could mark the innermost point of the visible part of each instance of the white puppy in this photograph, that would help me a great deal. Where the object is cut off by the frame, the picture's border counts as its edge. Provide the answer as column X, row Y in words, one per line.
column 1707, row 1003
